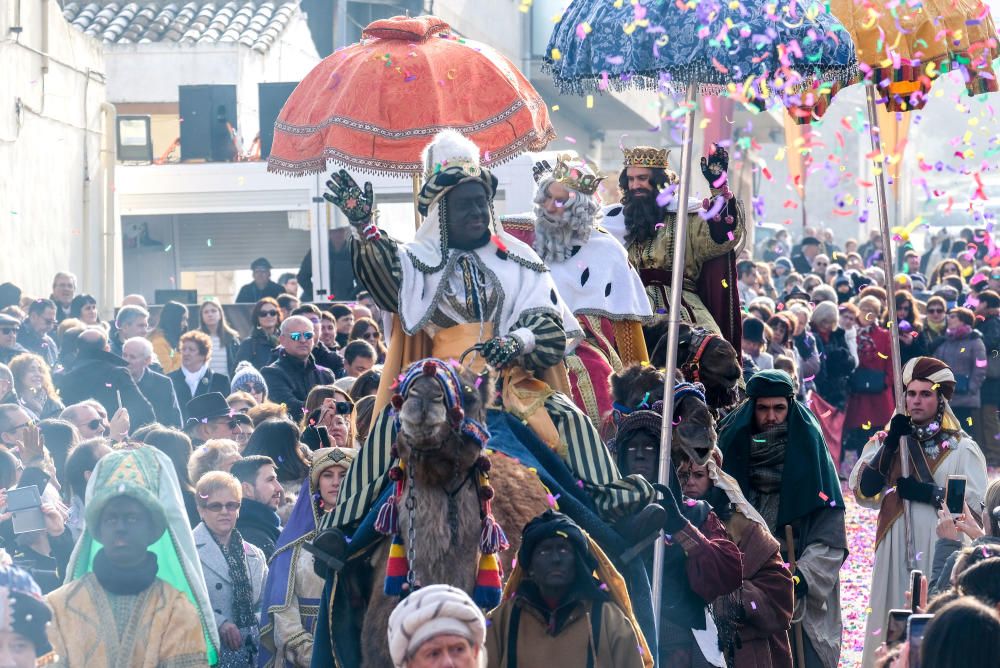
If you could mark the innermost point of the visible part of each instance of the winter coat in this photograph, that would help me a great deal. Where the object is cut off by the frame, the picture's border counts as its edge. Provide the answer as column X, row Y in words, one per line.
column 40, row 345
column 251, row 294
column 168, row 356
column 259, row 525
column 7, row 354
column 542, row 635
column 210, row 382
column 289, row 380
column 966, row 355
column 835, row 368
column 220, row 583
column 258, row 349
column 989, row 327
column 159, row 391
column 102, row 376
column 872, row 409
column 763, row 603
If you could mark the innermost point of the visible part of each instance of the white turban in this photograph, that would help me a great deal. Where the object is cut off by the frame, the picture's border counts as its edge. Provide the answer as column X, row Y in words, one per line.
column 430, row 612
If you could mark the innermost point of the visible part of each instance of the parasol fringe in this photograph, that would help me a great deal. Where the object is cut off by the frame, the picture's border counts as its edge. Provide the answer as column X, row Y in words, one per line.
column 374, row 167
column 708, row 78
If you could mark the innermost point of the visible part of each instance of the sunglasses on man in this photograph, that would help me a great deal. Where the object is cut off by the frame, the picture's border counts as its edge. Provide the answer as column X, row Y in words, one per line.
column 297, row 336
column 7, row 331
column 97, row 422
column 231, row 422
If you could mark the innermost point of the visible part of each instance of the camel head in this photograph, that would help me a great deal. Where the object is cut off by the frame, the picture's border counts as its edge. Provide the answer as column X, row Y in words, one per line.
column 718, row 367
column 694, row 430
column 637, row 385
column 435, row 406
column 638, row 394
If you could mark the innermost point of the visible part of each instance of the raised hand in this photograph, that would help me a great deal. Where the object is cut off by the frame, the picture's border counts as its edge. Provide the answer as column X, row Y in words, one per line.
column 715, row 165
column 541, row 167
column 347, row 196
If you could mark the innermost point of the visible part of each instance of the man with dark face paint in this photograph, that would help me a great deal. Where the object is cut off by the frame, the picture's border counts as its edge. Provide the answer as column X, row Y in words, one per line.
column 646, row 221
column 773, row 447
column 701, row 562
column 464, row 282
column 555, row 608
column 134, row 560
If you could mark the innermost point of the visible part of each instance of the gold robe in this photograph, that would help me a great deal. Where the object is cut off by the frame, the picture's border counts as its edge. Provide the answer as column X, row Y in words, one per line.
column 158, row 628
column 654, row 259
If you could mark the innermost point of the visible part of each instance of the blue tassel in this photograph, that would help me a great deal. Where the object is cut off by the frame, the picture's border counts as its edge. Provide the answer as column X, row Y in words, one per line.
column 387, row 521
column 493, row 538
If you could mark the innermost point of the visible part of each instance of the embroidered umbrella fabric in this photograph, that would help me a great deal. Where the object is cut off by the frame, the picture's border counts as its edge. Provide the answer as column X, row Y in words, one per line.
column 792, row 52
column 903, row 45
column 373, row 106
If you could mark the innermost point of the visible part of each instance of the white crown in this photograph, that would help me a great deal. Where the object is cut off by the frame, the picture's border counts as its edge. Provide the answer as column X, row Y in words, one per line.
column 450, row 148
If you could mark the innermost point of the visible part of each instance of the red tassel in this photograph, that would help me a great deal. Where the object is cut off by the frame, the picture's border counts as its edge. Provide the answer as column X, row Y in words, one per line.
column 387, row 522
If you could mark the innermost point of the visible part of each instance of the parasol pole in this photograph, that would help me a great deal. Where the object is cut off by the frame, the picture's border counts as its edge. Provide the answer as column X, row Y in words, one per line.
column 890, row 282
column 673, row 324
column 416, row 196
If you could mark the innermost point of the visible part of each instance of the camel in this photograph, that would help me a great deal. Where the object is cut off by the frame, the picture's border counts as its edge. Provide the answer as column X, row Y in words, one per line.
column 442, row 485
column 702, row 357
column 694, row 425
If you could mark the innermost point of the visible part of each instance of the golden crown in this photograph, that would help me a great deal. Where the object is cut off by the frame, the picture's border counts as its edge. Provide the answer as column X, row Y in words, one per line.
column 576, row 174
column 647, row 156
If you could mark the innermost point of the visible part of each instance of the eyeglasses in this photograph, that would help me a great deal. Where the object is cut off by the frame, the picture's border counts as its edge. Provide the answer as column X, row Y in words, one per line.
column 9, row 330
column 268, row 314
column 94, row 424
column 231, row 506
column 296, row 336
column 231, row 423
column 29, row 423
column 936, row 311
column 370, row 335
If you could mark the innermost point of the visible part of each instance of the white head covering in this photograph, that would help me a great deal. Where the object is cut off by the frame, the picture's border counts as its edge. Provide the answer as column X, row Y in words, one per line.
column 450, row 160
column 430, row 612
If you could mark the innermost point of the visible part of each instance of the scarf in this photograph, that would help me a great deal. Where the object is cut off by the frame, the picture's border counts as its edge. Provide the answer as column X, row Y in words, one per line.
column 767, row 464
column 959, row 332
column 125, row 581
column 235, row 555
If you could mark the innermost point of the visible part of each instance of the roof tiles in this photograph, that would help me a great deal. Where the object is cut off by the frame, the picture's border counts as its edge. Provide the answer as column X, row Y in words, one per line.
column 256, row 24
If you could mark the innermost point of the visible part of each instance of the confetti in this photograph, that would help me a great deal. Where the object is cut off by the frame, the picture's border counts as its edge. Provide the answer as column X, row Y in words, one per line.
column 823, row 496
column 725, row 284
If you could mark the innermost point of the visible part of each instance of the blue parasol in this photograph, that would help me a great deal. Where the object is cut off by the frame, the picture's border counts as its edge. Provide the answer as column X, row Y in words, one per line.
column 792, row 52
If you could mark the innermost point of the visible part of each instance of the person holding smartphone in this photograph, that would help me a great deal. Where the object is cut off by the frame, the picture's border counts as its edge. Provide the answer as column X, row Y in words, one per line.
column 938, row 448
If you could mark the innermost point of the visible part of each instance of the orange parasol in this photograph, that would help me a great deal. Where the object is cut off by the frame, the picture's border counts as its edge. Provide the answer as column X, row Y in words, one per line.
column 373, row 106
column 903, row 46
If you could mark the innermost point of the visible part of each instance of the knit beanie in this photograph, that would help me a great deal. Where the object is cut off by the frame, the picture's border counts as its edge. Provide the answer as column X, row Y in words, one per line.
column 246, row 378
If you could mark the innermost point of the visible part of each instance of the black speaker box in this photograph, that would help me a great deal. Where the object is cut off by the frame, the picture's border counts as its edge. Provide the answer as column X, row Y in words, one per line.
column 205, row 112
column 271, row 98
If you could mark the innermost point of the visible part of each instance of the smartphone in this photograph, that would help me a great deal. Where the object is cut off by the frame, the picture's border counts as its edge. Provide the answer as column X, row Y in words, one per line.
column 916, row 586
column 955, row 495
column 895, row 630
column 25, row 506
column 34, row 476
column 915, row 627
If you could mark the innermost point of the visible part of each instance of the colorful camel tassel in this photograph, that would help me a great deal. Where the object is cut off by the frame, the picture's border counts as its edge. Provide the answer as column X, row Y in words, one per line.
column 396, row 568
column 387, row 521
column 489, row 585
column 493, row 538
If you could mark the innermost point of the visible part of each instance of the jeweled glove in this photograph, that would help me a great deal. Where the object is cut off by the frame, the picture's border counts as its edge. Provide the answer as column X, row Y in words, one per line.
column 714, row 166
column 346, row 195
column 501, row 351
column 541, row 168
